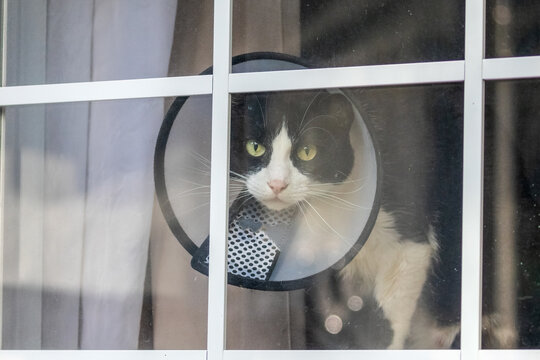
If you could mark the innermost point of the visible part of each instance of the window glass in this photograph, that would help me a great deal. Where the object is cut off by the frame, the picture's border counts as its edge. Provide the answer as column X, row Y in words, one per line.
column 512, row 215
column 56, row 41
column 348, row 33
column 512, row 28
column 309, row 168
column 89, row 258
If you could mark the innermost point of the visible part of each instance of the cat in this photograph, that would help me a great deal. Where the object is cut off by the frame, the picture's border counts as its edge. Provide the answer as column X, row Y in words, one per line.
column 286, row 152
column 289, row 147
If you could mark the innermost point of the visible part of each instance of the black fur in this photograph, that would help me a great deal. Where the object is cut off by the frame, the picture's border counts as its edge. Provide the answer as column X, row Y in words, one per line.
column 318, row 118
column 421, row 158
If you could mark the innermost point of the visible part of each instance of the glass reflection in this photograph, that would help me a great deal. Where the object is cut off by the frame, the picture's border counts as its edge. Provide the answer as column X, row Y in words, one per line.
column 58, row 41
column 367, row 303
column 511, row 216
column 347, row 33
column 512, row 28
column 88, row 260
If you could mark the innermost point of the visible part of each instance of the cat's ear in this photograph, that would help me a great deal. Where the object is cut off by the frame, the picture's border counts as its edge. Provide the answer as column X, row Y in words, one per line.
column 238, row 104
column 237, row 101
column 339, row 108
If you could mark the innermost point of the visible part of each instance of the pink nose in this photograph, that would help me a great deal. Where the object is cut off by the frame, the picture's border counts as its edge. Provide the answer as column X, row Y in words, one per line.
column 277, row 186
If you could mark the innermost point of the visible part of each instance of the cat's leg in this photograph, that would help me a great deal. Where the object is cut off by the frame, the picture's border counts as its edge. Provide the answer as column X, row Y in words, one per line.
column 427, row 333
column 499, row 332
column 399, row 283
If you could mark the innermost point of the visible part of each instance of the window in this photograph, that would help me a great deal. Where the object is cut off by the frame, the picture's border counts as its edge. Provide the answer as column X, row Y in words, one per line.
column 72, row 76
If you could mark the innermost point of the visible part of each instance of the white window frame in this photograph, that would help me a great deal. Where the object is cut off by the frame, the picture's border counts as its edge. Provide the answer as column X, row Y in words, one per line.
column 473, row 71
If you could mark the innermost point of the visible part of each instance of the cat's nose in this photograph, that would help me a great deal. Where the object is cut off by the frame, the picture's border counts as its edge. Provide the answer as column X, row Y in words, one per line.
column 277, row 186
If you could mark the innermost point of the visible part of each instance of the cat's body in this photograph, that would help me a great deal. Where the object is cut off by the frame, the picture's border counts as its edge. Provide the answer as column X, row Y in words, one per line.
column 288, row 148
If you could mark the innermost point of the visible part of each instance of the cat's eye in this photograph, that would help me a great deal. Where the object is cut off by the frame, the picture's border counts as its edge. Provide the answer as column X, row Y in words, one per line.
column 255, row 149
column 306, row 152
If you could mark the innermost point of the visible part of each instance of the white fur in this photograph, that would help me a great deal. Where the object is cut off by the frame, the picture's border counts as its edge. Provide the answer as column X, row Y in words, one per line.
column 390, row 268
column 280, row 168
column 394, row 270
column 501, row 334
column 426, row 333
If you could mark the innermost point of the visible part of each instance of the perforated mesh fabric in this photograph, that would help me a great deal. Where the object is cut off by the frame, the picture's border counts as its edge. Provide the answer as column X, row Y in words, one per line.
column 251, row 252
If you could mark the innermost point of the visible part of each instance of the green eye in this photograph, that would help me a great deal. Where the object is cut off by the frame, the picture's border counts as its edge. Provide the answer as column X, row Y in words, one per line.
column 306, row 152
column 255, row 149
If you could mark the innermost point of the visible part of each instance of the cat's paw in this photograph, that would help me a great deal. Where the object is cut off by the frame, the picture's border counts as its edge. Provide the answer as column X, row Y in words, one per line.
column 499, row 332
column 506, row 337
column 395, row 345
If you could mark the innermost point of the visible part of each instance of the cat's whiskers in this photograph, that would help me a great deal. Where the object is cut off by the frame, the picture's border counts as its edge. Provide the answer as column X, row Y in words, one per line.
column 262, row 112
column 244, row 193
column 303, row 130
column 307, row 109
column 194, row 170
column 237, row 194
column 316, row 188
column 195, row 188
column 347, row 204
column 243, row 177
column 192, row 182
column 207, row 163
column 305, row 215
column 203, row 160
column 334, row 203
column 257, row 192
column 194, row 175
column 189, row 193
column 351, row 181
column 207, row 186
column 330, row 227
column 345, row 192
column 234, row 184
column 245, row 198
column 190, row 210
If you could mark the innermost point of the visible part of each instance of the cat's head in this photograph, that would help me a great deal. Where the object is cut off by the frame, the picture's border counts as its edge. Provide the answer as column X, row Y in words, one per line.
column 289, row 146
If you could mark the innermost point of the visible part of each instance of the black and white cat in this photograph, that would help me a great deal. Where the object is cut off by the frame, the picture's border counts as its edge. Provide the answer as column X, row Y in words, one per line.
column 285, row 152
column 290, row 147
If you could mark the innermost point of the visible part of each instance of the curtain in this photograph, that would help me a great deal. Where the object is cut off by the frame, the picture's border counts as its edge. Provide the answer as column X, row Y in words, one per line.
column 180, row 293
column 79, row 188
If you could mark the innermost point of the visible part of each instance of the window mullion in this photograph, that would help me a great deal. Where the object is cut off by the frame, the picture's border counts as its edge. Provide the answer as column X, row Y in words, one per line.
column 525, row 67
column 353, row 76
column 471, row 296
column 3, row 57
column 217, row 290
column 105, row 90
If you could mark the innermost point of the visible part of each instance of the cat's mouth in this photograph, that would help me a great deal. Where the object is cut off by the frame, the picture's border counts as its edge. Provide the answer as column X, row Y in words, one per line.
column 276, row 204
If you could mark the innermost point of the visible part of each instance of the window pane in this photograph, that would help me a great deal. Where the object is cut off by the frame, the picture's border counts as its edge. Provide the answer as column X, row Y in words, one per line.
column 347, row 33
column 309, row 169
column 89, row 261
column 511, row 215
column 56, row 41
column 512, row 28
